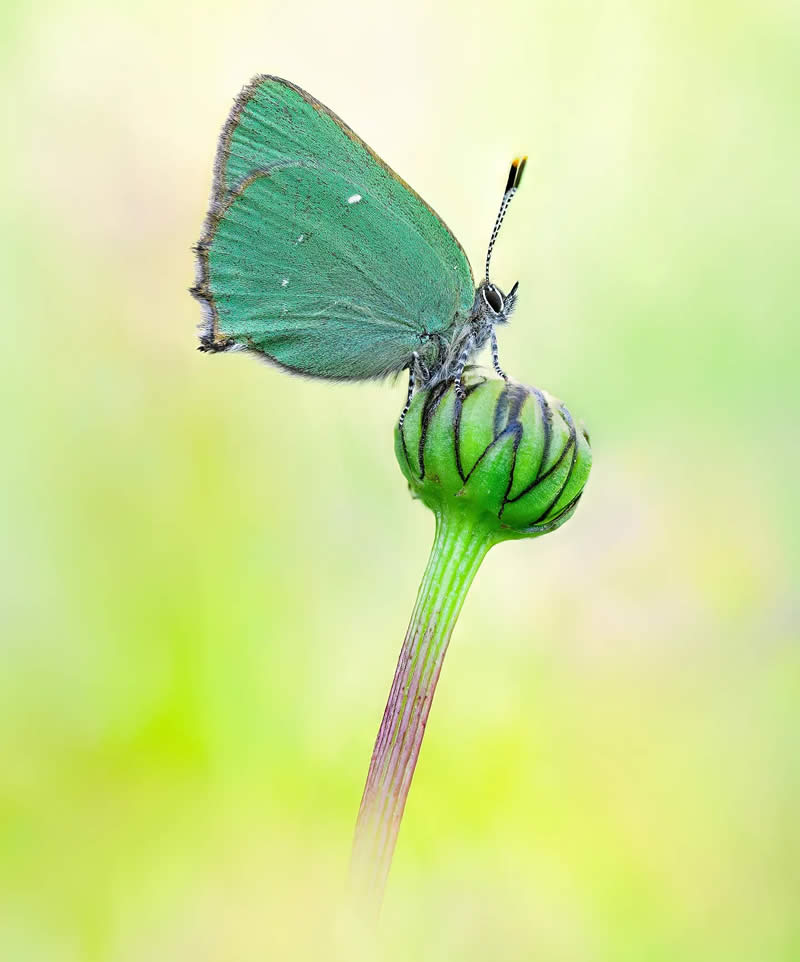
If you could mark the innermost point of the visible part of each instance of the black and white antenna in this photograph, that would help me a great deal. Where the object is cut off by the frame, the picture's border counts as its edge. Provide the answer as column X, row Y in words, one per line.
column 512, row 184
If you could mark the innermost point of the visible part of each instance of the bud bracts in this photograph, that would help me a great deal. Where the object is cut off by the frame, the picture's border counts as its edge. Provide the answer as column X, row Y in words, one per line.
column 511, row 454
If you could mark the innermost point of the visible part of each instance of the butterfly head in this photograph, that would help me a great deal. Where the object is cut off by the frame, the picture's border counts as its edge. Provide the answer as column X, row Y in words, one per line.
column 493, row 305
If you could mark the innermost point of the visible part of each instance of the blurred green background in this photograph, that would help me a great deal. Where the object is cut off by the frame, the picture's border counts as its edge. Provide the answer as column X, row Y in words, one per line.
column 209, row 565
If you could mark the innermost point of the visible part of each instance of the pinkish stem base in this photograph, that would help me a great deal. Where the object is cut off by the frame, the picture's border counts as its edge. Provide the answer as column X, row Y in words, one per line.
column 458, row 550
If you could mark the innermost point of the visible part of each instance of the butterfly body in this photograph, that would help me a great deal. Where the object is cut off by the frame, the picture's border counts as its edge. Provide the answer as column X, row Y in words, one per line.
column 319, row 258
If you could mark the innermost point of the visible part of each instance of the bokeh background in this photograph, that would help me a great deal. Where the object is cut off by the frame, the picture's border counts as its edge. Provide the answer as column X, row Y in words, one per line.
column 208, row 566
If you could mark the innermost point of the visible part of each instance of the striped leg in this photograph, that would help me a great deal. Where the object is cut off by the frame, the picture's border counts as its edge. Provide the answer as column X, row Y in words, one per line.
column 462, row 363
column 496, row 358
column 411, row 367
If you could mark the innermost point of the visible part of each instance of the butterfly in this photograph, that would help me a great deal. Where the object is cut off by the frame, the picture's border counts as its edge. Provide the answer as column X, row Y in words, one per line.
column 316, row 256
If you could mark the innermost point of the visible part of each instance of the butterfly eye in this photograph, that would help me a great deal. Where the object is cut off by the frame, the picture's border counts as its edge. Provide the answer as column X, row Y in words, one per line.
column 493, row 298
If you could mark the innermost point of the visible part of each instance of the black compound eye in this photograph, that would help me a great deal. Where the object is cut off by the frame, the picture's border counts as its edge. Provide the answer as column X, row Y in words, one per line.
column 493, row 298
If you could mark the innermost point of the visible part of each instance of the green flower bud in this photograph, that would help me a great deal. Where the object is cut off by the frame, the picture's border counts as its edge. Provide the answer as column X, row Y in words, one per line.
column 511, row 456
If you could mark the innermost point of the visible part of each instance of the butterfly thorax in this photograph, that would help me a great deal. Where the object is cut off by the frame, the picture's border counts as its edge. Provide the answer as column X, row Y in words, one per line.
column 446, row 355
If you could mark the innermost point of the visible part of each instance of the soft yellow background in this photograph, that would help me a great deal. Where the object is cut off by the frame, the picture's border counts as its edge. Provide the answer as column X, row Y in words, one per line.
column 209, row 565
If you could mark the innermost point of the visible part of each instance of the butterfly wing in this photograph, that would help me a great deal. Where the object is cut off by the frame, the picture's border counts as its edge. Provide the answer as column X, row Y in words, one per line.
column 315, row 254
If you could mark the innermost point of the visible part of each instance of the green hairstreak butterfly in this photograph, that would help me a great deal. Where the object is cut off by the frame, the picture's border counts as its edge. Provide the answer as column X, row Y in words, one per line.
column 316, row 256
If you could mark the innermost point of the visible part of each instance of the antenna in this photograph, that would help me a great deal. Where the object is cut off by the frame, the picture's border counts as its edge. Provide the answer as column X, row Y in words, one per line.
column 513, row 182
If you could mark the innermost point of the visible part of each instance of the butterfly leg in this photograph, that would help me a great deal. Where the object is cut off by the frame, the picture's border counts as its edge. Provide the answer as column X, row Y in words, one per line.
column 462, row 363
column 411, row 380
column 422, row 370
column 496, row 357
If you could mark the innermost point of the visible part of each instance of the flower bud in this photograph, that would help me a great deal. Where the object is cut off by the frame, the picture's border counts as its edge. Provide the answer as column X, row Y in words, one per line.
column 511, row 455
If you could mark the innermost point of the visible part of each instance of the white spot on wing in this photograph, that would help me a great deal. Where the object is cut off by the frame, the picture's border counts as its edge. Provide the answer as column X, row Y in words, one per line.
column 285, row 282
column 354, row 198
column 300, row 239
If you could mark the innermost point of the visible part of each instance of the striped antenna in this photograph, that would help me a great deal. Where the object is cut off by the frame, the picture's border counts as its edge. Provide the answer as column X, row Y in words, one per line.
column 512, row 184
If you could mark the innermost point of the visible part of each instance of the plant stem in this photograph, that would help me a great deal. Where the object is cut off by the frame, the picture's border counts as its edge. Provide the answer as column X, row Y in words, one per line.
column 459, row 547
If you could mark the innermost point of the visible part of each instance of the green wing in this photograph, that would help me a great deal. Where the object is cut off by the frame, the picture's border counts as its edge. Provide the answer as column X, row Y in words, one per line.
column 315, row 253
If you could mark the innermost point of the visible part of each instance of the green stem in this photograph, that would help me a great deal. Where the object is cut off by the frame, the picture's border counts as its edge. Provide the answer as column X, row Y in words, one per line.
column 459, row 547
